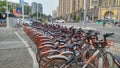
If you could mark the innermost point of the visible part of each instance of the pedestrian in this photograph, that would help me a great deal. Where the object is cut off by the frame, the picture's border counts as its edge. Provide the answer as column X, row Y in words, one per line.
column 18, row 22
column 115, row 23
column 87, row 19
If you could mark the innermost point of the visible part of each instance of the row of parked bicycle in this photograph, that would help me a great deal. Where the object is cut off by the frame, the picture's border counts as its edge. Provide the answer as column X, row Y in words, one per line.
column 62, row 47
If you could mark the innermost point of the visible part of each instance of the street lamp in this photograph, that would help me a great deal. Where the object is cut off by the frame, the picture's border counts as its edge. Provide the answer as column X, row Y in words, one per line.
column 85, row 13
column 110, row 7
column 23, row 17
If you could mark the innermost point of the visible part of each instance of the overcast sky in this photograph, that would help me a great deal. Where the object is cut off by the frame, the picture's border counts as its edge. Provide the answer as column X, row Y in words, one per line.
column 48, row 5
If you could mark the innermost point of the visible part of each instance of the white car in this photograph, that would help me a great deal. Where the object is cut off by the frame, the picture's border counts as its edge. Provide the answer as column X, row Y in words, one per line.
column 28, row 22
column 60, row 21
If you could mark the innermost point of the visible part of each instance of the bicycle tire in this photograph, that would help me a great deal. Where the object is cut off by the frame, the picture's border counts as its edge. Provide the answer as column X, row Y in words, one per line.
column 43, row 59
column 38, row 55
column 111, row 65
column 103, row 62
column 53, row 62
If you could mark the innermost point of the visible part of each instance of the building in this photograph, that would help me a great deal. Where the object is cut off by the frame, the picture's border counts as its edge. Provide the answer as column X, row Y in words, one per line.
column 110, row 9
column 72, row 6
column 65, row 7
column 93, row 3
column 59, row 12
column 36, row 7
column 54, row 14
column 96, row 9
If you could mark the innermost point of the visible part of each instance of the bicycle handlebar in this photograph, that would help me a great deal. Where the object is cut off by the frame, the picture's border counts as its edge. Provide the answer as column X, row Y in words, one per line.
column 107, row 35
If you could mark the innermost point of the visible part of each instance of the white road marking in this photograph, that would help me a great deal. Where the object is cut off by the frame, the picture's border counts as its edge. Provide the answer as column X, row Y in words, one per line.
column 11, row 42
column 35, row 64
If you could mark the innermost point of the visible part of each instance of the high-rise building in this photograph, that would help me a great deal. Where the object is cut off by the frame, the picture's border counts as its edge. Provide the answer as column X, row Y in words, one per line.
column 37, row 7
column 60, row 7
column 77, row 5
column 87, row 4
column 107, row 3
column 95, row 8
column 72, row 6
column 54, row 14
column 58, row 11
column 93, row 4
column 81, row 4
column 66, row 7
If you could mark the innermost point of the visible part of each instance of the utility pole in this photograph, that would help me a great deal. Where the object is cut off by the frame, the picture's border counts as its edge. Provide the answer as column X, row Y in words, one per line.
column 85, row 13
column 23, row 11
column 110, row 6
column 7, row 14
column 37, row 10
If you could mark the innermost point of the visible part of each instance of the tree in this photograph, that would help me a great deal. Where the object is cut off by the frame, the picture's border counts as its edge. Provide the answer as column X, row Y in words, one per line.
column 2, row 4
column 2, row 10
column 74, row 16
column 77, row 19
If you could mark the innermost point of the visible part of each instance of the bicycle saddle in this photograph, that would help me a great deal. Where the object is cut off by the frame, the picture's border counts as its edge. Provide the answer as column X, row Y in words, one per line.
column 71, row 46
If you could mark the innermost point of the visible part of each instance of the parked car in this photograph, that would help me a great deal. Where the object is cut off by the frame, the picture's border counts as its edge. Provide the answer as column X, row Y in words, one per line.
column 29, row 22
column 104, row 21
column 60, row 21
column 99, row 22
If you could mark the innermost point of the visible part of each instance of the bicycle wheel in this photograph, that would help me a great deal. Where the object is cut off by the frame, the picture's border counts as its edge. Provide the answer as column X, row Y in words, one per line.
column 109, row 59
column 43, row 59
column 100, row 62
column 106, row 61
column 55, row 63
column 38, row 55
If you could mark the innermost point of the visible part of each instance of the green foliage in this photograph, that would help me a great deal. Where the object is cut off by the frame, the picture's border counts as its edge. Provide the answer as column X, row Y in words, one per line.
column 2, row 10
column 2, row 3
column 27, row 10
column 58, row 18
column 77, row 19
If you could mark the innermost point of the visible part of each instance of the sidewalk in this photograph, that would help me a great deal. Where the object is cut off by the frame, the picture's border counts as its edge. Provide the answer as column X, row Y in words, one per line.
column 13, row 53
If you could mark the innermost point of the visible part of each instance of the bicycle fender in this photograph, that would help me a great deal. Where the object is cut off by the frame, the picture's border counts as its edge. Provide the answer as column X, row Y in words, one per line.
column 40, row 47
column 50, row 51
column 45, row 43
column 58, row 57
column 66, row 52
